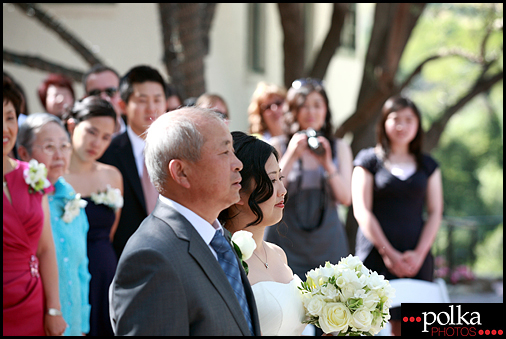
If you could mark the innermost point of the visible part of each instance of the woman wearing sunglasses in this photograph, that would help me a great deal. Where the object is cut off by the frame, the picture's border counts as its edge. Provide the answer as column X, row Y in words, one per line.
column 266, row 114
column 317, row 172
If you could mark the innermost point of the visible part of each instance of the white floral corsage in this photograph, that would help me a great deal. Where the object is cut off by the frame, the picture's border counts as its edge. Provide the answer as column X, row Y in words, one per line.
column 73, row 208
column 110, row 197
column 36, row 176
column 244, row 245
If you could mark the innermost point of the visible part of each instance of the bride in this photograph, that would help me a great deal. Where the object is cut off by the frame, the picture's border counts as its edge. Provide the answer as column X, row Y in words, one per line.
column 274, row 285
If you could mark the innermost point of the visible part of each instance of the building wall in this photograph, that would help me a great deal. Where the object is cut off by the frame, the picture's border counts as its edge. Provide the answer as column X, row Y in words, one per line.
column 124, row 35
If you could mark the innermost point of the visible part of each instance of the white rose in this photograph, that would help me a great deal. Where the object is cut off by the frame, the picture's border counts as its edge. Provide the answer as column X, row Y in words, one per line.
column 376, row 325
column 119, row 200
column 315, row 305
column 97, row 198
column 371, row 299
column 73, row 208
column 350, row 262
column 361, row 319
column 82, row 203
column 347, row 291
column 348, row 276
column 327, row 271
column 110, row 194
column 246, row 243
column 313, row 278
column 335, row 317
column 376, row 281
column 114, row 197
column 306, row 298
column 330, row 292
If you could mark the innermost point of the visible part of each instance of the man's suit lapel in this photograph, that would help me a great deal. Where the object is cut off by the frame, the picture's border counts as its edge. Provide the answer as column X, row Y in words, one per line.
column 127, row 159
column 199, row 250
column 201, row 253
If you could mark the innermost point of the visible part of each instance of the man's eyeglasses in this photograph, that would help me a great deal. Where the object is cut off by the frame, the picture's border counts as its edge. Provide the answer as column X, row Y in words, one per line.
column 274, row 106
column 109, row 91
column 224, row 116
column 51, row 148
column 305, row 81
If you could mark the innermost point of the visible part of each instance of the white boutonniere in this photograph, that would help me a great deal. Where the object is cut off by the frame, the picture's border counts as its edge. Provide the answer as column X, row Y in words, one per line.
column 110, row 197
column 73, row 208
column 244, row 245
column 36, row 176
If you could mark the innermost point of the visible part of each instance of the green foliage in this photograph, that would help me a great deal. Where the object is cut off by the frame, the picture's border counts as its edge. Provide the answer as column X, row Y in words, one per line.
column 470, row 149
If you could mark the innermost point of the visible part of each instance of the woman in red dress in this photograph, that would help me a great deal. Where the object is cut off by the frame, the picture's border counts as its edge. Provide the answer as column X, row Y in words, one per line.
column 31, row 303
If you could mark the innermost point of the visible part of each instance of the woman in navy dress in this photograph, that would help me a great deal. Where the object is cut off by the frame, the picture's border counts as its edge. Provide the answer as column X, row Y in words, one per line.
column 391, row 185
column 91, row 123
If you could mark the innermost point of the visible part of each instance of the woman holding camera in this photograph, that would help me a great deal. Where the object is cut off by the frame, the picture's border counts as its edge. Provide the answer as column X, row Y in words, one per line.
column 317, row 173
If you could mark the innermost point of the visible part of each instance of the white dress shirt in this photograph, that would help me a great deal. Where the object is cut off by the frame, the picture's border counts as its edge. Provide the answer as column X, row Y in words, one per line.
column 137, row 148
column 203, row 228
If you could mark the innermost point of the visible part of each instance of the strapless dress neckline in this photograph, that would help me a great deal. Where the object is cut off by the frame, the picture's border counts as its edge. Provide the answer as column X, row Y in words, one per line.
column 279, row 306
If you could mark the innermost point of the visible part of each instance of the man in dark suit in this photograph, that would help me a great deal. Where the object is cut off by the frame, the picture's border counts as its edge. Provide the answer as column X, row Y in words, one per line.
column 142, row 92
column 171, row 279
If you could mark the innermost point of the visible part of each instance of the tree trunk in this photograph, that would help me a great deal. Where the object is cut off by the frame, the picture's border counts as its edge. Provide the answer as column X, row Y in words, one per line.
column 54, row 25
column 393, row 24
column 293, row 44
column 185, row 30
column 191, row 37
column 331, row 43
column 171, row 45
column 42, row 64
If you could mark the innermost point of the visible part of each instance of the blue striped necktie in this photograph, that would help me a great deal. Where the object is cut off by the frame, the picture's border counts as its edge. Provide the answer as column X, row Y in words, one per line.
column 228, row 263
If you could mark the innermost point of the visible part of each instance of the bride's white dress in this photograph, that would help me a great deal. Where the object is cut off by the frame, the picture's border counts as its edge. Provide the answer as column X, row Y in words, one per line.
column 280, row 308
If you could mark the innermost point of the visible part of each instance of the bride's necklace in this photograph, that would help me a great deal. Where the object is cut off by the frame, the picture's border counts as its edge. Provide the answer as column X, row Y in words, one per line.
column 266, row 264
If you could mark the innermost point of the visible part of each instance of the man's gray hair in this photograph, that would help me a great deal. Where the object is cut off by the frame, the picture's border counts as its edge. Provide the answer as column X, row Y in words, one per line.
column 174, row 135
column 32, row 125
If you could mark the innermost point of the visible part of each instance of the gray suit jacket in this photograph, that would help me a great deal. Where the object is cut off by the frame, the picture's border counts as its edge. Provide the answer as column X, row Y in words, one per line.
column 169, row 283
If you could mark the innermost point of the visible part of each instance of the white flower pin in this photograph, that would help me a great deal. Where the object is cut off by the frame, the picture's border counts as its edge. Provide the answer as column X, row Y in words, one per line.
column 73, row 208
column 36, row 176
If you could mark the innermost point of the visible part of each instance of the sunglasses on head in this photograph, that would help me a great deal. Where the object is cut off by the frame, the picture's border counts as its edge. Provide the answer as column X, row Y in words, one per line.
column 305, row 81
column 109, row 91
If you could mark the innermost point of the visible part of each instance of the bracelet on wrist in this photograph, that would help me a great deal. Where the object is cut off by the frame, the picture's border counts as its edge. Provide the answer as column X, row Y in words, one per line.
column 54, row 312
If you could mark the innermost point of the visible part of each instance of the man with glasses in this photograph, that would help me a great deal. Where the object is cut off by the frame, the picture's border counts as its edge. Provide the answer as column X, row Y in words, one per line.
column 103, row 81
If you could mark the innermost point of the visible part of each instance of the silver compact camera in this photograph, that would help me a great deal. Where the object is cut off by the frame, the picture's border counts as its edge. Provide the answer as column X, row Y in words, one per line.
column 312, row 142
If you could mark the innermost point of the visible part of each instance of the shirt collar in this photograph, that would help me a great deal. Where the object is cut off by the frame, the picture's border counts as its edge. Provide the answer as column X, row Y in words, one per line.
column 137, row 143
column 205, row 229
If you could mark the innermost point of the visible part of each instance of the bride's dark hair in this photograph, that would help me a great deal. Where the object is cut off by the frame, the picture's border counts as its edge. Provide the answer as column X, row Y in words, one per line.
column 253, row 154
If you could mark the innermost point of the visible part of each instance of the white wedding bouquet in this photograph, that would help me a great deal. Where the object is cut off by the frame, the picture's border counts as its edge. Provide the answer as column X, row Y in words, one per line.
column 347, row 298
column 110, row 197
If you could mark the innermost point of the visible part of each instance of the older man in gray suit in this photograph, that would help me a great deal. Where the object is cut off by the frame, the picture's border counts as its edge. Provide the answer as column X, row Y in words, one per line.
column 177, row 274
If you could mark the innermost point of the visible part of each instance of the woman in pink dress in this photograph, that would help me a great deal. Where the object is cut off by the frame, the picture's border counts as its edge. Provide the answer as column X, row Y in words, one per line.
column 31, row 303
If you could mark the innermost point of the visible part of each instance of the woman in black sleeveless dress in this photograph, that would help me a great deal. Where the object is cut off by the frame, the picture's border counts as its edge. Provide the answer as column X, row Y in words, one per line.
column 391, row 185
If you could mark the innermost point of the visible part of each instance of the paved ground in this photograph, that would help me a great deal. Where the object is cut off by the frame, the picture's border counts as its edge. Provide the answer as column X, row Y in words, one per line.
column 465, row 294
column 485, row 298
